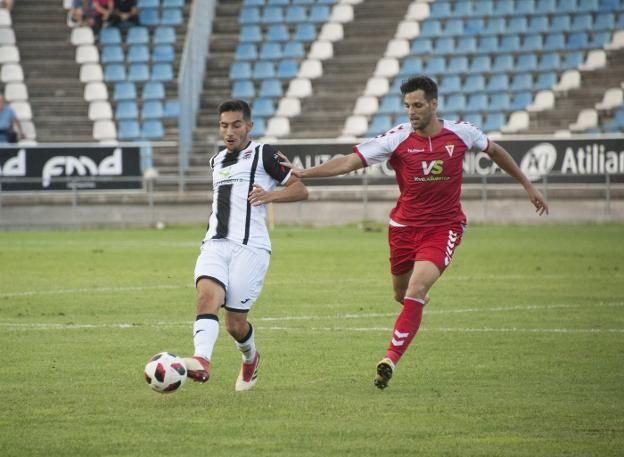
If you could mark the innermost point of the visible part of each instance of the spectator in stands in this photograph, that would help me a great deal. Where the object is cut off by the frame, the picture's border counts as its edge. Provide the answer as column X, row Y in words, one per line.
column 7, row 4
column 10, row 126
column 94, row 13
column 125, row 13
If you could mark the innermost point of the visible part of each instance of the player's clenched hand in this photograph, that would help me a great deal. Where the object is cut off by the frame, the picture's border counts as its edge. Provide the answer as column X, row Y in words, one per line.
column 298, row 172
column 258, row 196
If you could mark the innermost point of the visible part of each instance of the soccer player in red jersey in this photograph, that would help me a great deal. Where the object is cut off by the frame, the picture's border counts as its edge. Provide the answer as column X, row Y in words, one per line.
column 427, row 223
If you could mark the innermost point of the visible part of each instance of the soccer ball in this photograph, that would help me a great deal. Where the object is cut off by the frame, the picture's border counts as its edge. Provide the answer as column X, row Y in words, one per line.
column 165, row 372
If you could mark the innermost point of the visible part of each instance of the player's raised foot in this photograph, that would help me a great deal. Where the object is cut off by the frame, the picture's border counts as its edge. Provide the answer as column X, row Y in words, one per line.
column 248, row 374
column 385, row 369
column 197, row 368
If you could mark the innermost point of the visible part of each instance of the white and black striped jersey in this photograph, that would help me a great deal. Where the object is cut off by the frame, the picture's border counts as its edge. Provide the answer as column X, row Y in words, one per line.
column 233, row 176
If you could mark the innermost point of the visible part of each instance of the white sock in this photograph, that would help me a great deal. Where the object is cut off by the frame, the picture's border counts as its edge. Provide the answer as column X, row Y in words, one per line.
column 205, row 333
column 248, row 346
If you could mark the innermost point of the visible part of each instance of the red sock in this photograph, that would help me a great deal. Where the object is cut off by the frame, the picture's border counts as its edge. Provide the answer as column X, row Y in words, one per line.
column 405, row 327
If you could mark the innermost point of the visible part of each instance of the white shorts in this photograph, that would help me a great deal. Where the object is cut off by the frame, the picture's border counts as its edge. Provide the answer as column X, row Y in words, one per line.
column 240, row 269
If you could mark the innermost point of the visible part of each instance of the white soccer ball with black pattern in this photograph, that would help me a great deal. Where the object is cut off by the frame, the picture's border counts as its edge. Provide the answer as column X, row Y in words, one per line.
column 165, row 373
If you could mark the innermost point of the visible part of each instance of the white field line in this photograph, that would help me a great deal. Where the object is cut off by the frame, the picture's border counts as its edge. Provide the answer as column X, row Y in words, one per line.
column 343, row 317
column 94, row 290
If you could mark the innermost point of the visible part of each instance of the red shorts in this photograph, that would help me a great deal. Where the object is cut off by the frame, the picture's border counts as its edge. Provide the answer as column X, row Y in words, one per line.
column 436, row 244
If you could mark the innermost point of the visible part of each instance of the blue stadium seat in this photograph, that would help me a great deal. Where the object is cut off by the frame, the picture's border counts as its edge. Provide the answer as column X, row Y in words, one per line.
column 577, row 40
column 582, row 22
column 616, row 124
column 572, row 60
column 262, row 107
column 163, row 53
column 271, row 88
column 249, row 15
column 619, row 24
column 162, row 72
column 138, row 72
column 259, row 127
column 494, row 121
column 128, row 130
column 110, row 35
column 243, row 90
column 545, row 6
column 474, row 118
column 148, row 3
column 546, row 80
column 294, row 49
column 488, row 44
column 604, row 21
column 303, row 2
column 172, row 16
column 173, row 3
column 608, row 5
column 152, row 109
column 395, row 87
column 504, row 8
column 390, row 104
column 462, row 9
column 440, row 9
column 468, row 45
column 305, row 32
column 524, row 8
column 474, row 83
column 253, row 2
column 566, row 6
column 278, row 32
column 153, row 90
column 549, row 61
column 444, row 45
column 503, row 63
column 251, row 34
column 400, row 119
column 532, row 42
column 319, row 14
column 149, row 16
column 270, row 51
column 421, row 46
column 296, row 13
column 521, row 100
column 379, row 124
column 474, row 25
column 456, row 102
column 112, row 54
column 587, row 6
column 476, row 103
column 264, row 69
column 137, row 35
column 454, row 27
column 554, row 41
column 272, row 15
column 480, row 64
column 138, row 53
column 499, row 102
column 517, row 24
column 240, row 70
column 521, row 82
column 430, row 28
column 560, row 23
column 457, row 64
column 599, row 39
column 494, row 25
column 164, row 35
column 246, row 51
column 483, row 8
column 538, row 24
column 527, row 62
column 126, row 109
column 287, row 69
column 152, row 129
column 498, row 82
column 172, row 108
column 509, row 43
column 124, row 90
column 114, row 72
column 278, row 2
column 449, row 84
column 435, row 65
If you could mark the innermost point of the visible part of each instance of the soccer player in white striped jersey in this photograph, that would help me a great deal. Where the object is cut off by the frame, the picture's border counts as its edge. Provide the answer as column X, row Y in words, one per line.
column 235, row 251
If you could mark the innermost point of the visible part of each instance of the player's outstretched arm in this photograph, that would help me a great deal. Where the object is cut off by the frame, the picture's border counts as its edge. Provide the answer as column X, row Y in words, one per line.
column 334, row 167
column 504, row 160
column 293, row 191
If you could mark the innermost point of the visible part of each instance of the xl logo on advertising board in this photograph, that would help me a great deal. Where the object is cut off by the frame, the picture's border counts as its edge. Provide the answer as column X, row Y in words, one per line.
column 82, row 166
column 539, row 161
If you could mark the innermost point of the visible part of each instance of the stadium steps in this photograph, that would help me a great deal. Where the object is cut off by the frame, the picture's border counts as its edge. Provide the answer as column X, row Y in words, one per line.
column 345, row 75
column 568, row 105
column 50, row 72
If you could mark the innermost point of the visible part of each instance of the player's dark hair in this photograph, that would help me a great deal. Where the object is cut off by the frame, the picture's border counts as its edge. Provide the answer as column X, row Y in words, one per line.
column 236, row 105
column 424, row 83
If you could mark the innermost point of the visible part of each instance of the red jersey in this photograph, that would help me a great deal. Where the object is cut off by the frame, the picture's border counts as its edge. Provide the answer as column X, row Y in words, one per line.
column 428, row 170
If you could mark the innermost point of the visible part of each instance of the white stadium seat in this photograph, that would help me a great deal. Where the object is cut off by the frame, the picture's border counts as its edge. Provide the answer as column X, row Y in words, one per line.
column 12, row 72
column 9, row 54
column 7, row 36
column 5, row 18
column 100, row 110
column 388, row 67
column 377, row 87
column 366, row 105
column 418, row 11
column 617, row 41
column 82, row 35
column 321, row 50
column 408, row 30
column 29, row 130
column 518, row 121
column 398, row 47
column 15, row 92
column 612, row 98
column 341, row 13
column 310, row 69
column 22, row 110
column 289, row 107
column 355, row 126
column 278, row 127
column 87, row 53
column 104, row 130
column 587, row 119
column 545, row 99
column 299, row 88
column 331, row 31
column 596, row 59
column 90, row 72
column 571, row 79
column 95, row 91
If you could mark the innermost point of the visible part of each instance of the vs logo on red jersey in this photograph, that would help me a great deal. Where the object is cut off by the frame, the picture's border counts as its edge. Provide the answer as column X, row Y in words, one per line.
column 434, row 167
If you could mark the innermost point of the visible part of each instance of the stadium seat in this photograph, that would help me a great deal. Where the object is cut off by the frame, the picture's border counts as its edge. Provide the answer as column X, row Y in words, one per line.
column 278, row 32
column 440, row 9
column 126, row 109
column 421, row 46
column 494, row 122
column 243, row 90
column 278, row 127
column 259, row 127
column 502, row 63
column 149, row 16
column 270, row 88
column 587, row 6
column 152, row 129
column 517, row 24
column 114, row 72
column 444, row 45
column 153, row 90
column 172, row 16
column 299, row 88
column 538, row 24
column 449, row 84
column 270, row 51
column 456, row 102
column 527, row 62
column 137, row 35
column 112, row 54
column 596, row 58
column 509, row 44
column 164, row 35
column 99, row 110
column 138, row 72
column 462, row 9
column 521, row 82
column 498, row 102
column 573, row 60
column 251, row 34
column 554, row 41
column 582, row 22
column 129, row 130
column 543, row 100
column 246, row 51
column 379, row 124
column 494, row 26
column 138, row 54
column 599, row 39
column 435, row 65
column 520, row 101
column 546, row 80
column 430, row 28
column 390, row 104
column 104, row 130
column 476, row 102
column 94, row 91
column 87, row 53
column 319, row 14
column 289, row 107
column 240, row 70
column 577, row 40
column 17, row 91
column 474, row 25
column 488, row 44
column 110, row 35
column 454, row 27
column 498, row 82
column 504, row 8
column 272, row 15
column 173, row 3
column 549, row 61
column 162, row 72
column 587, row 118
column 545, row 6
column 164, row 53
column 611, row 99
column 532, row 43
column 263, row 70
column 148, row 3
column 524, row 8
column 124, row 90
column 172, row 108
column 253, row 2
column 480, row 64
column 483, row 8
column 88, row 72
column 560, row 23
column 262, row 107
column 474, row 83
column 293, row 49
column 152, row 109
column 79, row 36
column 305, row 32
column 474, row 118
column 9, row 54
column 287, row 69
column 604, row 21
column 296, row 14
column 249, row 15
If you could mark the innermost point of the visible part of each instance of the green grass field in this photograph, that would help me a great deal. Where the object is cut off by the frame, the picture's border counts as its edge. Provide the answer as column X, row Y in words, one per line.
column 521, row 351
